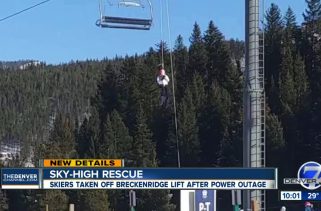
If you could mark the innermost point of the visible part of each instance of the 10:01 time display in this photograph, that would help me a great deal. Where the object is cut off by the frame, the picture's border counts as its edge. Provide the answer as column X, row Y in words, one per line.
column 291, row 195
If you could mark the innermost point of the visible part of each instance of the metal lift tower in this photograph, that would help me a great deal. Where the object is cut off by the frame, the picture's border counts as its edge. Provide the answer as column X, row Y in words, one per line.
column 254, row 100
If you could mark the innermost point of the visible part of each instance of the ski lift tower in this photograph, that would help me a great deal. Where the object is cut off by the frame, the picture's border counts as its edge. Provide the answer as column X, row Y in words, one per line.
column 254, row 100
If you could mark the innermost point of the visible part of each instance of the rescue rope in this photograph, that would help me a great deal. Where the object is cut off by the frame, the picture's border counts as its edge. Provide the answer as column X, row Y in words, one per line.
column 161, row 25
column 173, row 85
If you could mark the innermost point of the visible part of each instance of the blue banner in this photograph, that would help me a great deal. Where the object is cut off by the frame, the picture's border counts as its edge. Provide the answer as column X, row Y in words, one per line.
column 161, row 173
column 20, row 176
column 205, row 200
column 311, row 196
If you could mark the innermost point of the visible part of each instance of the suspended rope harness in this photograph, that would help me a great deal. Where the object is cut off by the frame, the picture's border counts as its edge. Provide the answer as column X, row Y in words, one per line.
column 172, row 73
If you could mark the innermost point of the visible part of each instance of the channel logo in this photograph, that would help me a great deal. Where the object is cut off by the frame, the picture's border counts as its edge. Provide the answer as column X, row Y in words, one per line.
column 309, row 176
column 310, row 170
column 20, row 178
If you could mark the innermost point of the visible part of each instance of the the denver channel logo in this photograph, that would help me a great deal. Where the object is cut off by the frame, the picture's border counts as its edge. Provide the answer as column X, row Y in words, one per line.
column 309, row 176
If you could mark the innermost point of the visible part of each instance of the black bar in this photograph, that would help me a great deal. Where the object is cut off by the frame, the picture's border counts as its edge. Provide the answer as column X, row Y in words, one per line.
column 134, row 21
column 124, row 26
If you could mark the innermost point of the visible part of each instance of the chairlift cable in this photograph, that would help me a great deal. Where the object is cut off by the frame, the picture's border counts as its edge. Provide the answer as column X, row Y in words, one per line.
column 173, row 85
column 24, row 10
column 161, row 32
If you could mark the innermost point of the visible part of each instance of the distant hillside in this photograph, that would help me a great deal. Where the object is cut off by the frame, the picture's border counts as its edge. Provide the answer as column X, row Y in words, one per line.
column 18, row 65
column 30, row 99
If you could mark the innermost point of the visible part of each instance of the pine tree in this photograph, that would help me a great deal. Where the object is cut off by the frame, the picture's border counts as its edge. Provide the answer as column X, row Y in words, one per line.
column 273, row 97
column 219, row 61
column 94, row 135
column 287, row 89
column 188, row 131
column 289, row 83
column 117, row 142
column 141, row 91
column 197, row 54
column 214, row 127
column 162, row 46
column 275, row 149
column 198, row 92
column 274, row 20
column 106, row 98
column 133, row 104
column 273, row 38
column 61, row 142
column 108, row 147
column 143, row 153
column 163, row 128
column 158, row 200
column 63, row 134
column 82, row 139
column 227, row 77
column 311, row 48
column 274, row 139
column 94, row 200
column 181, row 64
column 219, row 65
column 3, row 201
column 313, row 12
column 300, row 80
column 169, row 156
column 16, row 199
column 236, row 49
column 225, row 157
column 56, row 200
column 292, row 33
column 290, row 19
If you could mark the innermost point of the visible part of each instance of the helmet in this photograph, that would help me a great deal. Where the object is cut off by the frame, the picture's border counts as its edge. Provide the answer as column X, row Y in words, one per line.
column 307, row 204
column 162, row 72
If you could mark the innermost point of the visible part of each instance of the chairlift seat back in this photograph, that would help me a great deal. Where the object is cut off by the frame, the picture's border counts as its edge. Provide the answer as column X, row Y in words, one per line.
column 127, row 23
column 110, row 21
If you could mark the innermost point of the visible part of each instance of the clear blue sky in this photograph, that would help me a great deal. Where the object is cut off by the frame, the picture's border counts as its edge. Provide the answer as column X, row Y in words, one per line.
column 64, row 30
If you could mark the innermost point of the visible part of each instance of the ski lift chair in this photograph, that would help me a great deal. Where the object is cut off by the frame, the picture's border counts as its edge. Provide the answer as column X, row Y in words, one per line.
column 125, row 22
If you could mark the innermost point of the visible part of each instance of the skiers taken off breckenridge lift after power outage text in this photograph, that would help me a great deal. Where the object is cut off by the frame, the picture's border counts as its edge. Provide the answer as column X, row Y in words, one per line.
column 163, row 81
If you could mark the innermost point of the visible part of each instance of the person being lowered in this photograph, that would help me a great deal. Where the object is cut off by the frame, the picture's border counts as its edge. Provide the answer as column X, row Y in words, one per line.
column 162, row 81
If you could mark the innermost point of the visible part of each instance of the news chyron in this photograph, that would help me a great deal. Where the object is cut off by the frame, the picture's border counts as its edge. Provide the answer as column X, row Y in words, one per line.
column 111, row 174
column 31, row 178
column 103, row 163
column 308, row 176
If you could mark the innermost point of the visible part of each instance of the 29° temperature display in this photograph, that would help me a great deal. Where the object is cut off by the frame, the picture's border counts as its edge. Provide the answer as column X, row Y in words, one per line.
column 311, row 196
column 300, row 196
